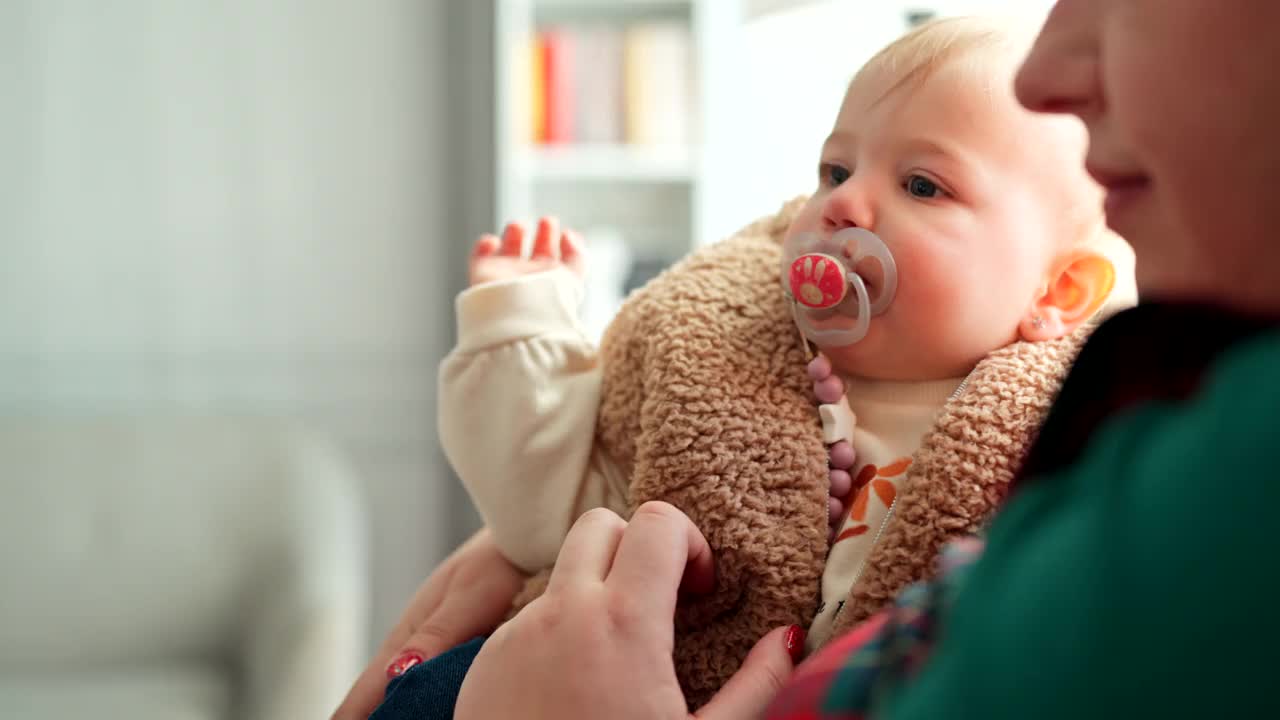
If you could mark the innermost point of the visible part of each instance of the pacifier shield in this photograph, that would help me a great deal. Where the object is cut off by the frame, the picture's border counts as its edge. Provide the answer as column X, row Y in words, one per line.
column 831, row 302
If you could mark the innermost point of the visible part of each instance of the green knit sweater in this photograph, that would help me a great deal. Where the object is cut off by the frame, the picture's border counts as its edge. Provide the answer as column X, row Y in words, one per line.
column 1136, row 573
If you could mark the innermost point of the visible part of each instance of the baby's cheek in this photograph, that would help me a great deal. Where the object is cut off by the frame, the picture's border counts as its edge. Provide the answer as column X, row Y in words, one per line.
column 929, row 294
column 935, row 313
column 809, row 219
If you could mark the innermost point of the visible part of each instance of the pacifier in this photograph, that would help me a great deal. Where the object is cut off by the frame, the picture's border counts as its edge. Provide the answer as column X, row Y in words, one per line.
column 818, row 275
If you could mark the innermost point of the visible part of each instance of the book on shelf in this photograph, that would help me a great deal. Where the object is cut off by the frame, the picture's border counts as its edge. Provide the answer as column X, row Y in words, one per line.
column 605, row 84
column 531, row 92
column 557, row 46
column 657, row 84
column 598, row 83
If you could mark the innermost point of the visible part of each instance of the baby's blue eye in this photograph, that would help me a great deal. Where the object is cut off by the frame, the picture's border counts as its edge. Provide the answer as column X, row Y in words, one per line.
column 923, row 187
column 833, row 175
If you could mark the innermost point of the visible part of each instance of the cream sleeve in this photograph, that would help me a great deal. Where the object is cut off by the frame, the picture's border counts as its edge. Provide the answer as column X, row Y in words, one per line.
column 518, row 399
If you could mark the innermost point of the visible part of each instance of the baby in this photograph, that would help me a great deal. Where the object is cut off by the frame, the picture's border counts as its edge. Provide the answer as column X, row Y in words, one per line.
column 948, row 224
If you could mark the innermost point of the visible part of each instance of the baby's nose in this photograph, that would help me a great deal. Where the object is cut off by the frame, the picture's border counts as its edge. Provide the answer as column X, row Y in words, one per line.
column 848, row 206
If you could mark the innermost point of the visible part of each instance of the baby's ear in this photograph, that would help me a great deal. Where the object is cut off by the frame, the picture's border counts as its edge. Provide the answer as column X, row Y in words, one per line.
column 1075, row 291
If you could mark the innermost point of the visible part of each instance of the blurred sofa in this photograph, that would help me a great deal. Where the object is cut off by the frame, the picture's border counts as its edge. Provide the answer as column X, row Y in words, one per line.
column 178, row 568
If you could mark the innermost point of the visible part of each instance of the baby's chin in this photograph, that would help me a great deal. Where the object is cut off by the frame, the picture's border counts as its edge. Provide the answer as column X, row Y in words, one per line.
column 857, row 360
column 883, row 355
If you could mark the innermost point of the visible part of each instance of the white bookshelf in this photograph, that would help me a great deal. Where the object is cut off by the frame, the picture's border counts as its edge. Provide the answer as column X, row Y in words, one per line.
column 654, row 197
column 606, row 163
column 655, row 200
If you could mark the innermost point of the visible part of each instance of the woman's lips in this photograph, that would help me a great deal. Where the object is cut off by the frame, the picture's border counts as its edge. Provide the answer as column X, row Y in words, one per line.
column 1123, row 189
column 1121, row 195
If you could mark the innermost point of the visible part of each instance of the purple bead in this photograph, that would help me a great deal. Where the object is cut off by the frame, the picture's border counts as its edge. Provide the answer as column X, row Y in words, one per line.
column 841, row 483
column 829, row 391
column 819, row 368
column 842, row 455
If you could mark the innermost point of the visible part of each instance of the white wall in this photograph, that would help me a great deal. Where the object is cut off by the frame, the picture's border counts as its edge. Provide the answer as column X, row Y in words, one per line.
column 236, row 207
column 795, row 67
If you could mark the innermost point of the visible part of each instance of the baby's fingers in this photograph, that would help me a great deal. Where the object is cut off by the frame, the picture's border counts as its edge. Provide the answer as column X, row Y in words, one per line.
column 513, row 240
column 545, row 246
column 487, row 245
column 573, row 252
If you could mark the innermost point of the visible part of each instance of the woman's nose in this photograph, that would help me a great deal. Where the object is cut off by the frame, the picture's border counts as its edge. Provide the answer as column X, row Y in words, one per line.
column 1061, row 73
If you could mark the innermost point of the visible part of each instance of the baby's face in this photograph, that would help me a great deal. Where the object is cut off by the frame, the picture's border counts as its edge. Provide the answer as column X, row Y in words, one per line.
column 976, row 198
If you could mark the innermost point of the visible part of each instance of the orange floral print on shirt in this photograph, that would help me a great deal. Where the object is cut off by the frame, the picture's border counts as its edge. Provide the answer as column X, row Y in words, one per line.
column 872, row 481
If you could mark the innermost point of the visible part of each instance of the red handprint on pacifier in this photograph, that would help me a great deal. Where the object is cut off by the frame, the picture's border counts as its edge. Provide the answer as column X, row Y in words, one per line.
column 818, row 281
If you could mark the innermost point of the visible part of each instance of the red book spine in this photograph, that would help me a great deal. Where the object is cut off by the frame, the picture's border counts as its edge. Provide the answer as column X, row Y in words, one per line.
column 559, row 86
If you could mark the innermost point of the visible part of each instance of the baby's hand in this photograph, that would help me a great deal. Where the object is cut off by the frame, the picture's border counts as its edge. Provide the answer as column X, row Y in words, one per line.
column 493, row 259
column 829, row 389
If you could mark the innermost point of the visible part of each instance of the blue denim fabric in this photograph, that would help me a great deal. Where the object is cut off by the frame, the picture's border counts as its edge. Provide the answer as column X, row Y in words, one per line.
column 429, row 690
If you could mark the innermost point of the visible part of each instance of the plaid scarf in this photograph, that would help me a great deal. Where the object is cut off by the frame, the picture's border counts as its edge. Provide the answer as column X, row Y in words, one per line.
column 848, row 677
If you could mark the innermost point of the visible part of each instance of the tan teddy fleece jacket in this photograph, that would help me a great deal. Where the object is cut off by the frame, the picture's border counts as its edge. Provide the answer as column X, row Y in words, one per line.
column 705, row 404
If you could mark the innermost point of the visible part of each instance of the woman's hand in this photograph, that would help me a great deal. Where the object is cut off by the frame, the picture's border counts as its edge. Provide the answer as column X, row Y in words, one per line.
column 466, row 596
column 598, row 643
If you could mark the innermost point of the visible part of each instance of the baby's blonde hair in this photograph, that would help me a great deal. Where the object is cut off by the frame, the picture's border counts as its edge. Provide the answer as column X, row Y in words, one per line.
column 978, row 42
column 992, row 48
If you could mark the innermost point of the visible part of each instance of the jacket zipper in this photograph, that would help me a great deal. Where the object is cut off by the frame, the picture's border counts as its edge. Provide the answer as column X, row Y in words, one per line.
column 889, row 515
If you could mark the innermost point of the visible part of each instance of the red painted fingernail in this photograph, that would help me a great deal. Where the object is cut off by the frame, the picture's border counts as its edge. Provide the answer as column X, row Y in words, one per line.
column 795, row 643
column 401, row 664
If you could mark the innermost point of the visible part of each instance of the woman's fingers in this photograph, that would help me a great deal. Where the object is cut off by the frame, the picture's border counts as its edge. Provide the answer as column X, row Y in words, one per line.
column 466, row 596
column 661, row 552
column 368, row 689
column 476, row 605
column 764, row 672
column 659, row 549
column 588, row 550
